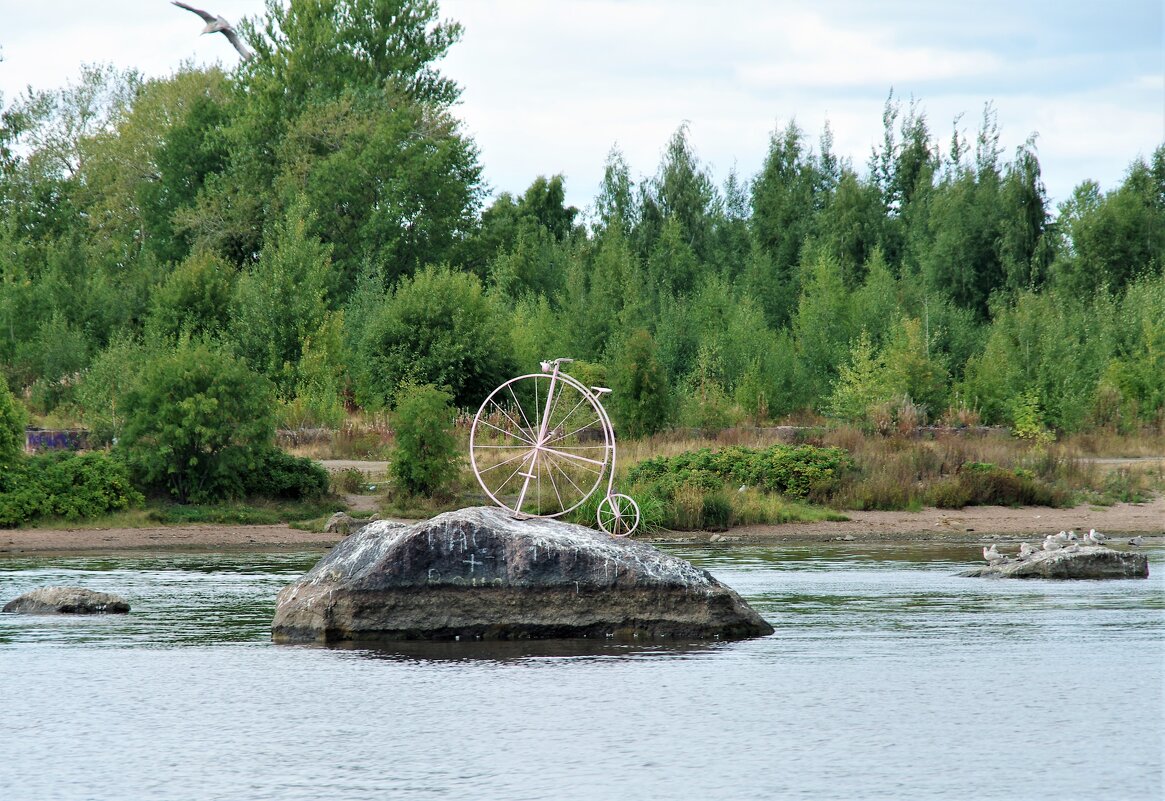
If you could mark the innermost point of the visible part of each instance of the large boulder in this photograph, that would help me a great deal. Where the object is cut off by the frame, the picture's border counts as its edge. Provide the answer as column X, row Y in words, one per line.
column 1072, row 562
column 481, row 573
column 67, row 601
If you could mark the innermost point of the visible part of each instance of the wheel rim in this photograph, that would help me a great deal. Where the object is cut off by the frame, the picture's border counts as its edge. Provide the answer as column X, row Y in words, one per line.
column 545, row 477
column 618, row 515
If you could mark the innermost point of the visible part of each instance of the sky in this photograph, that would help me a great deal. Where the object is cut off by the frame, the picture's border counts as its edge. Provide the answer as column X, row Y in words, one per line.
column 552, row 86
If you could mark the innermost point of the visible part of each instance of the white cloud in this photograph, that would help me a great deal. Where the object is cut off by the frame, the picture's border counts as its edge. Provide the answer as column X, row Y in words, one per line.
column 550, row 86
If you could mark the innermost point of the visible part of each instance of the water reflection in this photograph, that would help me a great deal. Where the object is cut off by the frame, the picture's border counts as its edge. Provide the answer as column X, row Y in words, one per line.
column 513, row 651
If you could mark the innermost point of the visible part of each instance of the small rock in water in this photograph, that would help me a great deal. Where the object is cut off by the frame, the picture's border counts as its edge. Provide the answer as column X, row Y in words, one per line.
column 67, row 601
column 1073, row 562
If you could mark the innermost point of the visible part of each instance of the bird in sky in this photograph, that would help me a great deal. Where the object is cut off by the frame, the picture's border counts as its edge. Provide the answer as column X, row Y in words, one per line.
column 216, row 24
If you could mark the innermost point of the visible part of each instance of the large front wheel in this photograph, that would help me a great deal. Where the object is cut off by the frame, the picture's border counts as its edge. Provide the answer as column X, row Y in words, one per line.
column 537, row 456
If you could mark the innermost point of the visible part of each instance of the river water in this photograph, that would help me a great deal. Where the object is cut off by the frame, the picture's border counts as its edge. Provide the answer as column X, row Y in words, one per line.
column 888, row 678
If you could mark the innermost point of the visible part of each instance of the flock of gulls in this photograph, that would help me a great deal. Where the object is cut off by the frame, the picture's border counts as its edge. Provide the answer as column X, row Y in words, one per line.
column 1065, row 540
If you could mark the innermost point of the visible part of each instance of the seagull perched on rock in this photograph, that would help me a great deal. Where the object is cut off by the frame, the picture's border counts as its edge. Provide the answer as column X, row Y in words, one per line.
column 216, row 24
column 1094, row 537
column 1051, row 543
column 1026, row 549
column 1137, row 541
column 992, row 555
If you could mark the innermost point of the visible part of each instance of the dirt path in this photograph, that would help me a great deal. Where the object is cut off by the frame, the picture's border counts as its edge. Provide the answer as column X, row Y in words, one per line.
column 970, row 525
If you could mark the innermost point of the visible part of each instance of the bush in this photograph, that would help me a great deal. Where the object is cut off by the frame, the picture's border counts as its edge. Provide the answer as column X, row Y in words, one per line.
column 797, row 471
column 197, row 423
column 426, row 457
column 13, row 418
column 69, row 485
column 983, row 484
column 281, row 475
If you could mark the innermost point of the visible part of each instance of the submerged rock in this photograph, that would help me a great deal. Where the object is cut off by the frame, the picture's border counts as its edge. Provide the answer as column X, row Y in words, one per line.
column 67, row 601
column 1071, row 562
column 480, row 573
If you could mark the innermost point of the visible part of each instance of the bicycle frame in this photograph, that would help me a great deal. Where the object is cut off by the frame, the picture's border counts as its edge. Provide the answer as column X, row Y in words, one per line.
column 540, row 444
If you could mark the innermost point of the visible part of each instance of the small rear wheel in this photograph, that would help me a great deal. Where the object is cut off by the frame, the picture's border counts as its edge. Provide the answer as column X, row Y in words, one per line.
column 618, row 515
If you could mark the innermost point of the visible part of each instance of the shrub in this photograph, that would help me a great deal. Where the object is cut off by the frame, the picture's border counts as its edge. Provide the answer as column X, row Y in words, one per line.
column 797, row 471
column 348, row 480
column 982, row 484
column 426, row 457
column 69, row 485
column 197, row 424
column 281, row 475
column 12, row 421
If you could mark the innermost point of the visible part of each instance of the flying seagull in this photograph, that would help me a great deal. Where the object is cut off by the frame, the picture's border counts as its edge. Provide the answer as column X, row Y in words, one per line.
column 216, row 24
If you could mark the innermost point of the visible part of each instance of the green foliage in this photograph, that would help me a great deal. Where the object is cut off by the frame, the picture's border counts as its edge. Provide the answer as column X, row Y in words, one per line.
column 13, row 419
column 295, row 205
column 982, row 484
column 198, row 424
column 796, row 471
column 861, row 384
column 69, row 485
column 282, row 476
column 101, row 394
column 640, row 390
column 425, row 460
column 439, row 328
column 1027, row 418
column 281, row 302
column 195, row 299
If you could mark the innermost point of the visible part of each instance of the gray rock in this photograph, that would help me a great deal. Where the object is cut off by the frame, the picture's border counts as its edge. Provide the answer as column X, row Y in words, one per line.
column 480, row 573
column 1071, row 562
column 67, row 601
column 344, row 523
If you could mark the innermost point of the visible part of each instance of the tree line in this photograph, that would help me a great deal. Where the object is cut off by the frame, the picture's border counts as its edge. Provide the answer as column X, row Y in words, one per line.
column 317, row 216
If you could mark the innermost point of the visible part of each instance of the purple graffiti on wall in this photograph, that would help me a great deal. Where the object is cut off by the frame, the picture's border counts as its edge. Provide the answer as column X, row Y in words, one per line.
column 55, row 439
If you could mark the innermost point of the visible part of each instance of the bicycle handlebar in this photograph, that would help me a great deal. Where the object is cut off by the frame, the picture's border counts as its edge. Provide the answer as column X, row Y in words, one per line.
column 548, row 366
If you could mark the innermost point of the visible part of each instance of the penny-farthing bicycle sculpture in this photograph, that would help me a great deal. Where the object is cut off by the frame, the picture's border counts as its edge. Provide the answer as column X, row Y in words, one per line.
column 541, row 444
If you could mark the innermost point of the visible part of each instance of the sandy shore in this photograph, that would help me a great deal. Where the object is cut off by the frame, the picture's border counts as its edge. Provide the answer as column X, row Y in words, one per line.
column 969, row 525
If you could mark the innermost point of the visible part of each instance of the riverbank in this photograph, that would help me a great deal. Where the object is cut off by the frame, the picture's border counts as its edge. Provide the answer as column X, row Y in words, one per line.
column 969, row 525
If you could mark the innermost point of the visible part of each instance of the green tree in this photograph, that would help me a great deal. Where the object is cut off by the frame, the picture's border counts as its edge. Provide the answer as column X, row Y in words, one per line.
column 197, row 423
column 281, row 302
column 785, row 201
column 681, row 192
column 426, row 457
column 641, row 397
column 194, row 299
column 13, row 418
column 1114, row 237
column 105, row 384
column 861, row 383
column 438, row 327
